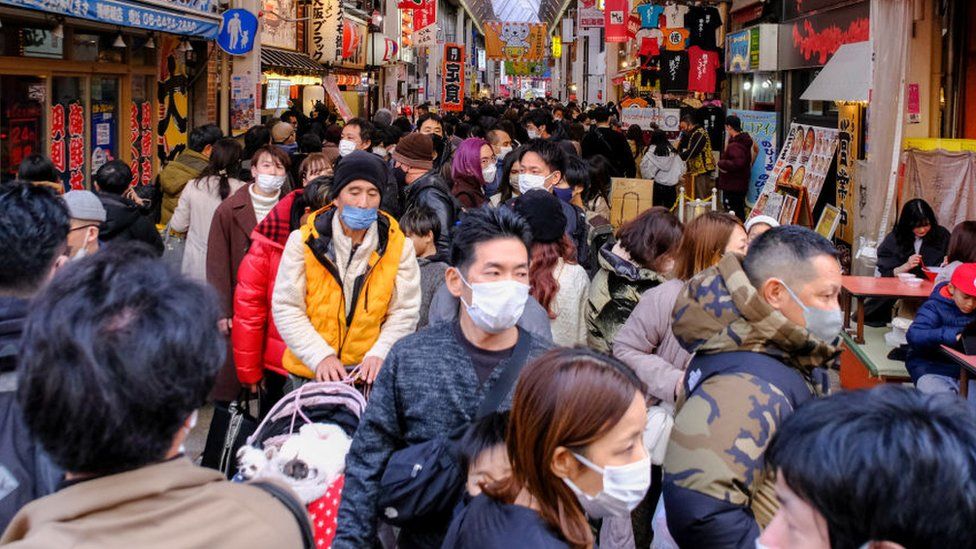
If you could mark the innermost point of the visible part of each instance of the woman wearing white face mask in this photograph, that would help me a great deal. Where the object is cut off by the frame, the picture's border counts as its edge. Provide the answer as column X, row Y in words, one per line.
column 230, row 238
column 576, row 451
column 473, row 164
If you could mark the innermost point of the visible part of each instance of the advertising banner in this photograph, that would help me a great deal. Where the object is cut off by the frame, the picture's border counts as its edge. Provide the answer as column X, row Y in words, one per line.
column 762, row 127
column 325, row 34
column 332, row 88
column 452, row 91
column 242, row 104
column 812, row 40
column 849, row 118
column 803, row 161
column 615, row 17
column 180, row 20
column 278, row 26
column 666, row 119
column 589, row 15
column 515, row 41
column 425, row 26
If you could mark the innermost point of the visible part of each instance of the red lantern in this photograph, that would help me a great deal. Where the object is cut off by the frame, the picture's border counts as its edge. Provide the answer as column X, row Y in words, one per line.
column 351, row 39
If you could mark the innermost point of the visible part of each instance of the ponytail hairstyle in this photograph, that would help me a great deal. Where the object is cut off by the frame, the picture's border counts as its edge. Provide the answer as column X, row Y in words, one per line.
column 225, row 161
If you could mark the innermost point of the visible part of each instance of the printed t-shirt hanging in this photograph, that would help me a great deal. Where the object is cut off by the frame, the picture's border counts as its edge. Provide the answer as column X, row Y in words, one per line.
column 703, row 64
column 674, row 71
column 675, row 15
column 713, row 120
column 702, row 22
column 650, row 15
column 674, row 39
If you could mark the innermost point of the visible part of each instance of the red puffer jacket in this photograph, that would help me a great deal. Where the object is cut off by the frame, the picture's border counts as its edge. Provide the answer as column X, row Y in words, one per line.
column 254, row 337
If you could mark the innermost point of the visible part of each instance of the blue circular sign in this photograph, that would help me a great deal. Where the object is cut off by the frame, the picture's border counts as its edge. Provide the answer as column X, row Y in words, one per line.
column 238, row 31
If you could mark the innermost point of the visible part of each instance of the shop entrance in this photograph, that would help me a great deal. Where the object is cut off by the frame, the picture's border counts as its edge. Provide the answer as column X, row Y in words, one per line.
column 22, row 121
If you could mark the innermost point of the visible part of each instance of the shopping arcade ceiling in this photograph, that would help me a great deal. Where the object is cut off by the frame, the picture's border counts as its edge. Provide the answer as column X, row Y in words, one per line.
column 517, row 11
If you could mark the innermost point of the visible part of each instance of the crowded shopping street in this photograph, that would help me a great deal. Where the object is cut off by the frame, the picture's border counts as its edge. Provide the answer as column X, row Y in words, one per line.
column 487, row 274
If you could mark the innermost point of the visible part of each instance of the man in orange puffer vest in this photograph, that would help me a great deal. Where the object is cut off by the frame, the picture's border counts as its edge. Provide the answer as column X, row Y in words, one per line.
column 348, row 285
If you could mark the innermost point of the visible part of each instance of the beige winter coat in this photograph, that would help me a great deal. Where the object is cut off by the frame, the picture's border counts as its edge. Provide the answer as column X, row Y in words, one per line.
column 194, row 214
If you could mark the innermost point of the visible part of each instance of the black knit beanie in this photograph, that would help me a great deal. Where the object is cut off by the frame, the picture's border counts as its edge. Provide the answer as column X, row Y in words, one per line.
column 544, row 214
column 359, row 165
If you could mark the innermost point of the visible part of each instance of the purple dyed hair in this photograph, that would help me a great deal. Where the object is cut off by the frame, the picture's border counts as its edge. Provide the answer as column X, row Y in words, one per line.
column 466, row 164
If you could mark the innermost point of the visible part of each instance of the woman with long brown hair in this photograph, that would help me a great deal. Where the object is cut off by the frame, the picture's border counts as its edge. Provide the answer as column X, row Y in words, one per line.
column 575, row 443
column 557, row 282
column 645, row 341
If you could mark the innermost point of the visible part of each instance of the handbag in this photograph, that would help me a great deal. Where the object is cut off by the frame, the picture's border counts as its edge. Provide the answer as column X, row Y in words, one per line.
column 231, row 425
column 423, row 482
column 173, row 246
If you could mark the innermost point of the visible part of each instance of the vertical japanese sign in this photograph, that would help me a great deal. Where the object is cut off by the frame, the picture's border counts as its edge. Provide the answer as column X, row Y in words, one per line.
column 849, row 124
column 589, row 15
column 68, row 143
column 174, row 107
column 615, row 17
column 325, row 37
column 425, row 25
column 141, row 139
column 452, row 93
column 761, row 126
column 914, row 104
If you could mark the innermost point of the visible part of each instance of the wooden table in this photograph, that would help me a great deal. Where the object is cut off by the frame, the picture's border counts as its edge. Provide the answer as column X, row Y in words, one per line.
column 863, row 287
column 967, row 367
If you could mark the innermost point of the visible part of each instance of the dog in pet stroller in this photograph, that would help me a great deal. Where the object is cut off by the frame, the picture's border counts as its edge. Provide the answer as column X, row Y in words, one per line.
column 303, row 442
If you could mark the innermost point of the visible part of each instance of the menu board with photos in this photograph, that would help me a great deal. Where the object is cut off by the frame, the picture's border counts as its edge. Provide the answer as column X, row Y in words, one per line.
column 803, row 161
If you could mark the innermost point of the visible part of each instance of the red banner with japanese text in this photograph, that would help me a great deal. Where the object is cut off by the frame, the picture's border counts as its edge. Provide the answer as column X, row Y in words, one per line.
column 425, row 25
column 452, row 91
column 615, row 18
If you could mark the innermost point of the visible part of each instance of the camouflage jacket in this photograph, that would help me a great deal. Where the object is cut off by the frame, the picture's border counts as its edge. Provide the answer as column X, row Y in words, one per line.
column 751, row 368
column 614, row 292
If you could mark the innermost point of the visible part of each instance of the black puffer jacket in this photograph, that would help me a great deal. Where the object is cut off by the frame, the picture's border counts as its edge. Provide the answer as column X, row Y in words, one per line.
column 431, row 191
column 125, row 221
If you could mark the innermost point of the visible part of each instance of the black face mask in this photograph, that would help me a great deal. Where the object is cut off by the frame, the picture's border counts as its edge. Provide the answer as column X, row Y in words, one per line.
column 438, row 142
column 401, row 177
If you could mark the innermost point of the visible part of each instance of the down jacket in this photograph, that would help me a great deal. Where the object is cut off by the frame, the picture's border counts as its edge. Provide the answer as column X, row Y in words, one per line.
column 257, row 344
column 938, row 322
column 735, row 167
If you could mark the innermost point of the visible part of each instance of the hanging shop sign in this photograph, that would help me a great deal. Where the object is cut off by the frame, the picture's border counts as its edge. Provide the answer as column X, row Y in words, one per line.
column 482, row 63
column 278, row 27
column 141, row 139
column 68, row 143
column 557, row 47
column 353, row 43
column 568, row 34
column 515, row 41
column 452, row 91
column 326, row 30
column 382, row 50
column 173, row 105
column 425, row 25
column 803, row 162
column 762, row 127
column 752, row 49
column 615, row 18
column 535, row 69
column 812, row 40
column 849, row 117
column 589, row 14
column 238, row 29
column 332, row 88
column 644, row 117
column 186, row 21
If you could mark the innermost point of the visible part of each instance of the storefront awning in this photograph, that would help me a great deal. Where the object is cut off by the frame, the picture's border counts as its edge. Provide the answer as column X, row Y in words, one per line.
column 845, row 77
column 188, row 17
column 274, row 59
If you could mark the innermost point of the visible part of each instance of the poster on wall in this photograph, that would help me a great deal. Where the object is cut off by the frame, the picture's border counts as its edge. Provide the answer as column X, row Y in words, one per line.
column 452, row 91
column 141, row 139
column 849, row 124
column 171, row 92
column 665, row 119
column 738, row 50
column 23, row 132
column 515, row 41
column 278, row 28
column 103, row 127
column 68, row 143
column 243, row 105
column 325, row 35
column 762, row 127
column 812, row 40
column 804, row 161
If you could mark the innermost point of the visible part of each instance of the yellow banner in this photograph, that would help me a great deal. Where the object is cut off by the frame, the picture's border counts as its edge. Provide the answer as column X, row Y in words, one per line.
column 515, row 41
column 849, row 124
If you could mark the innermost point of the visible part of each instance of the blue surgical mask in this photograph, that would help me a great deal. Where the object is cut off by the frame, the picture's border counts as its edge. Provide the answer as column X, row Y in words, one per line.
column 358, row 219
column 826, row 324
column 563, row 194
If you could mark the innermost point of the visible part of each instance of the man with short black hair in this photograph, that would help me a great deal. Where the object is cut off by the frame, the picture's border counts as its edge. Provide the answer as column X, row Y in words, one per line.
column 603, row 140
column 357, row 135
column 538, row 123
column 39, row 170
column 113, row 398
column 735, row 167
column 887, row 468
column 695, row 148
column 758, row 329
column 188, row 165
column 34, row 228
column 124, row 220
column 432, row 382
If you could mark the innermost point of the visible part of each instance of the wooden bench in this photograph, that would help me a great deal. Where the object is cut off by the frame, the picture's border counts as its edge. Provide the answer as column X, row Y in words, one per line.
column 865, row 365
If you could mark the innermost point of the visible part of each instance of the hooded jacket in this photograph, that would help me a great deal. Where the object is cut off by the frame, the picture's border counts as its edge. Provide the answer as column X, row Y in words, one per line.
column 735, row 167
column 256, row 342
column 664, row 170
column 937, row 323
column 751, row 368
column 614, row 292
column 188, row 165
column 124, row 221
column 431, row 191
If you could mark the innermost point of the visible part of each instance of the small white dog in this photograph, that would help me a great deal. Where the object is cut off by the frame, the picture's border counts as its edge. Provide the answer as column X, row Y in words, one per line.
column 309, row 462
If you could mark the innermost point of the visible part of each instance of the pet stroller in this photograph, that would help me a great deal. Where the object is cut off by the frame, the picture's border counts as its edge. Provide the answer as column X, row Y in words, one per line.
column 303, row 442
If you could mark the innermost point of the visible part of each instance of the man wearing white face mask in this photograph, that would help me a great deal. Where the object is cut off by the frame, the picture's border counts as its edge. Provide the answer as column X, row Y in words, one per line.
column 501, row 143
column 230, row 238
column 761, row 329
column 87, row 213
column 356, row 136
column 433, row 382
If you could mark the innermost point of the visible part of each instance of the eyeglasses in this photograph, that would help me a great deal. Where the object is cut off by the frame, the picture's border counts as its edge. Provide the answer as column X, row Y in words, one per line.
column 84, row 227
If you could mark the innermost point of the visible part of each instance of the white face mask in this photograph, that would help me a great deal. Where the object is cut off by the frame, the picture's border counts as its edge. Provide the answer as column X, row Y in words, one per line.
column 269, row 183
column 489, row 173
column 496, row 306
column 528, row 182
column 533, row 134
column 379, row 151
column 624, row 487
column 503, row 152
column 346, row 146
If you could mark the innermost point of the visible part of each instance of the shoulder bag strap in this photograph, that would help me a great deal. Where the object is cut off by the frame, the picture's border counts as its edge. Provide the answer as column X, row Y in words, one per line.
column 496, row 395
column 299, row 512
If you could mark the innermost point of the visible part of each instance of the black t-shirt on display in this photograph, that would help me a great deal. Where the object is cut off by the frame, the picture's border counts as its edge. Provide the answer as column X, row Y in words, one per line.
column 702, row 22
column 484, row 361
column 713, row 120
column 674, row 70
